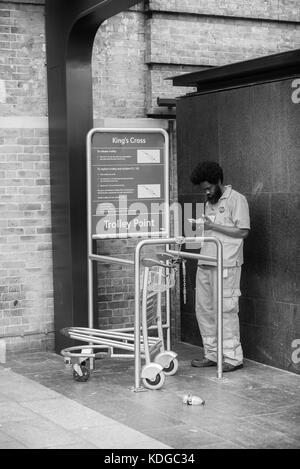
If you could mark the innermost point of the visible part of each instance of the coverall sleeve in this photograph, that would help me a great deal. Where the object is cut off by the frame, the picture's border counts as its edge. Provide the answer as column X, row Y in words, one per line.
column 240, row 215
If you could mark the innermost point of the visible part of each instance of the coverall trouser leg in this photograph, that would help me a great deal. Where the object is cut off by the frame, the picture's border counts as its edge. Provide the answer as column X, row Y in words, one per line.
column 206, row 313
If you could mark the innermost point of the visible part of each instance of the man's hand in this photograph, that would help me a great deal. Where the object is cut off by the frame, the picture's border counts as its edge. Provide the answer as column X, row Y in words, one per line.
column 196, row 222
column 208, row 224
column 231, row 231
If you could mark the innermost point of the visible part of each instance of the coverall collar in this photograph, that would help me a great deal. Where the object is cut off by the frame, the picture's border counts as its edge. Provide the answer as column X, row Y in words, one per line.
column 227, row 192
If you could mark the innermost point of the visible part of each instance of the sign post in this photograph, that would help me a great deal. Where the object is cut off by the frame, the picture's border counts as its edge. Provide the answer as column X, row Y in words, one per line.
column 127, row 189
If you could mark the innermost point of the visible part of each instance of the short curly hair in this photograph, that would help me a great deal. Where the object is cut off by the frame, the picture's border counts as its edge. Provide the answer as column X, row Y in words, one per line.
column 209, row 171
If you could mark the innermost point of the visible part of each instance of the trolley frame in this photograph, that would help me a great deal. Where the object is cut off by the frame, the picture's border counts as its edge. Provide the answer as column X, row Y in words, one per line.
column 137, row 271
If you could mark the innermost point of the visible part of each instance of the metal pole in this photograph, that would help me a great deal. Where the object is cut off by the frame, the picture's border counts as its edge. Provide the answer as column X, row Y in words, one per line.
column 117, row 260
column 90, row 295
column 90, row 278
column 137, row 325
column 219, row 308
column 89, row 233
column 168, row 318
column 189, row 255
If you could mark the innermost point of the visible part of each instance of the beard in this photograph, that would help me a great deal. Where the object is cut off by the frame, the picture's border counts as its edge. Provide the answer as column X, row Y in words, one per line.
column 213, row 199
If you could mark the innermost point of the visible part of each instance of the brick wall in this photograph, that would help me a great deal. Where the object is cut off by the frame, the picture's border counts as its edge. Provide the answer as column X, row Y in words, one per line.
column 26, row 291
column 212, row 41
column 119, row 68
column 167, row 38
column 22, row 60
column 116, row 286
column 125, row 83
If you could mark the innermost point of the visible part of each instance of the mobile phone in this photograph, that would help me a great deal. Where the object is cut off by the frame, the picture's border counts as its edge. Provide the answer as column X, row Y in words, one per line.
column 198, row 221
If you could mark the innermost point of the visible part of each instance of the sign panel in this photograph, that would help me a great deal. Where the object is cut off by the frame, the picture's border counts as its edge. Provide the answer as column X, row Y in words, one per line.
column 128, row 183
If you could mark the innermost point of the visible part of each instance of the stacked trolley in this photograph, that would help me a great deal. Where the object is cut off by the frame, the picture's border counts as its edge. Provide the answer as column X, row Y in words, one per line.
column 157, row 277
column 152, row 278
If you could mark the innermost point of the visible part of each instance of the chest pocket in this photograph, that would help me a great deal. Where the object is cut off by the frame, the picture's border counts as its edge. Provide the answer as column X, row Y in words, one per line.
column 223, row 217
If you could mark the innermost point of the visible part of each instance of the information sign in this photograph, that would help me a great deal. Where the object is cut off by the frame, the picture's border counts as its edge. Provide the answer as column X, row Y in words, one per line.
column 128, row 182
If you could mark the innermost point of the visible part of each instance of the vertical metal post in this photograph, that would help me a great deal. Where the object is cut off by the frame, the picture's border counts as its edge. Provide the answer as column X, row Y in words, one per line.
column 89, row 232
column 137, row 325
column 90, row 276
column 219, row 309
column 168, row 318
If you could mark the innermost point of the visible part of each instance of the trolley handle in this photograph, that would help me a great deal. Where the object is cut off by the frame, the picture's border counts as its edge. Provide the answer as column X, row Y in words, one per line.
column 166, row 256
column 148, row 262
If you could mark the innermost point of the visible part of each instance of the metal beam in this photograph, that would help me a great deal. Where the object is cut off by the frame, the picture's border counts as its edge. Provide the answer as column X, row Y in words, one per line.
column 263, row 69
column 71, row 27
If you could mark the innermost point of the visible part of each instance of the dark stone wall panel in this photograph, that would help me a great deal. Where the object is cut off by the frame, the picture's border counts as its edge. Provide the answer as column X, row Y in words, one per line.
column 258, row 343
column 272, row 313
column 247, row 309
column 235, row 139
column 189, row 329
column 285, row 243
column 184, row 147
column 197, row 141
column 257, row 143
column 288, row 138
column 257, row 273
column 266, row 122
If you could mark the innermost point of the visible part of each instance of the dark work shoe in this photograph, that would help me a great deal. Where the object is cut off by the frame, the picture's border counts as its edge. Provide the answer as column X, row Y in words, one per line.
column 227, row 367
column 203, row 362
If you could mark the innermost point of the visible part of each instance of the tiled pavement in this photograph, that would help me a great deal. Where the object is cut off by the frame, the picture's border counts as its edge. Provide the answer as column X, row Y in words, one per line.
column 35, row 417
column 41, row 406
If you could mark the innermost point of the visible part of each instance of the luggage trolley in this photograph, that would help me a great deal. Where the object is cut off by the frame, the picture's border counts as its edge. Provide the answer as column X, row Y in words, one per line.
column 158, row 276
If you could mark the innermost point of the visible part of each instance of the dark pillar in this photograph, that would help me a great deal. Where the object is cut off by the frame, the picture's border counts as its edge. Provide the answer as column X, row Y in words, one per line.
column 71, row 27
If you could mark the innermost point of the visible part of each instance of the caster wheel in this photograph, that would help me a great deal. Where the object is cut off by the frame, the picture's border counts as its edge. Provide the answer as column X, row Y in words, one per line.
column 156, row 383
column 172, row 368
column 81, row 377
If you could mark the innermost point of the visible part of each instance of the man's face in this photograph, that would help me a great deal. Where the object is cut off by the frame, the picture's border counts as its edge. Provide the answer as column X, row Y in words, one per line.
column 212, row 192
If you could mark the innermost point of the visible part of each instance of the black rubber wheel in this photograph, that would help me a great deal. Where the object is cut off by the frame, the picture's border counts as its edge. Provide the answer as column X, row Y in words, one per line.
column 156, row 383
column 85, row 374
column 172, row 368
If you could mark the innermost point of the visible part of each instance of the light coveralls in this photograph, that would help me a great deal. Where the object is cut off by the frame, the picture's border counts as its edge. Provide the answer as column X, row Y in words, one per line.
column 231, row 210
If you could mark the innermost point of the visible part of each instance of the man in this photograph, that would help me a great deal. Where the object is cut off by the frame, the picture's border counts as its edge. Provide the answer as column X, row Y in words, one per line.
column 226, row 218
